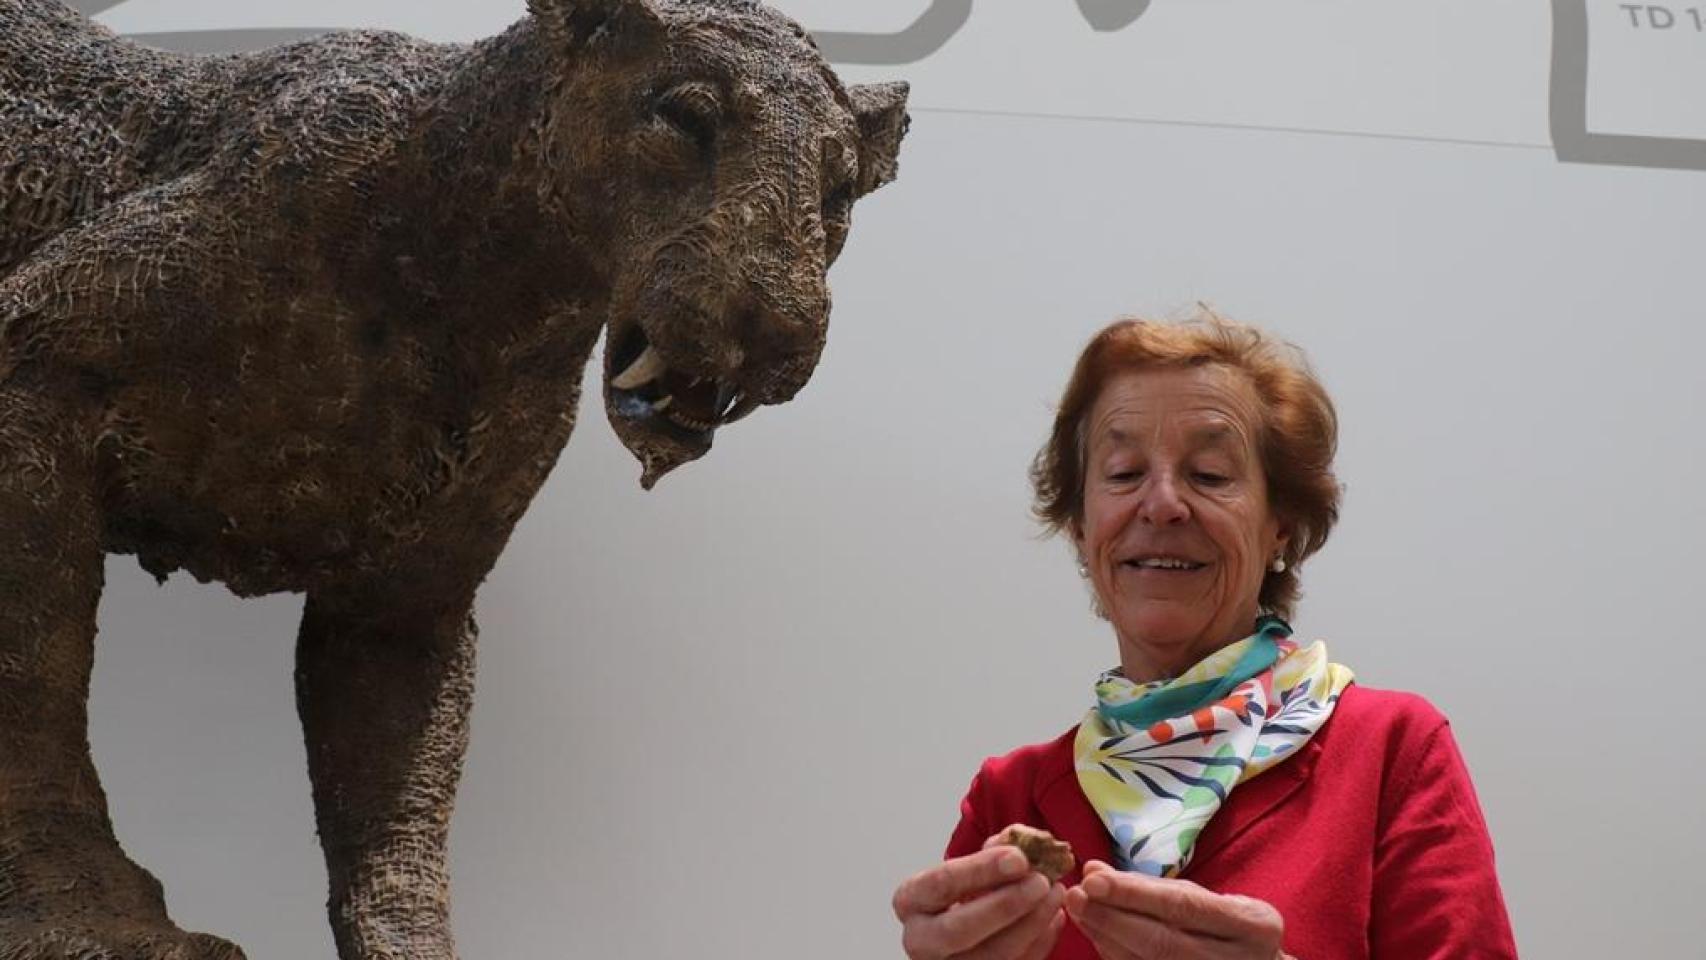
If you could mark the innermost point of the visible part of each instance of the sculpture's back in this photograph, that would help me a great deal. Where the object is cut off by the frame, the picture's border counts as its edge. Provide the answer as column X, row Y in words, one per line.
column 314, row 319
column 86, row 118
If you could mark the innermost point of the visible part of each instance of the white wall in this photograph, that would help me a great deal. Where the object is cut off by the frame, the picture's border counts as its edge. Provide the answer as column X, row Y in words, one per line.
column 724, row 718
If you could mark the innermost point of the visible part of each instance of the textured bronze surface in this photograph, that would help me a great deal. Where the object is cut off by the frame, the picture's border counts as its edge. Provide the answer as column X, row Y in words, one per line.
column 314, row 319
column 1048, row 856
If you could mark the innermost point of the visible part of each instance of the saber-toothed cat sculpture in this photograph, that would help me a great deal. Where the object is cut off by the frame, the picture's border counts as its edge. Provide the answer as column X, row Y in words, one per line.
column 314, row 319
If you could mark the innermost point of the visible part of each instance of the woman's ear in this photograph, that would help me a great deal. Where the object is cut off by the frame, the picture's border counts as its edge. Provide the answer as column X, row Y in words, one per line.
column 1075, row 530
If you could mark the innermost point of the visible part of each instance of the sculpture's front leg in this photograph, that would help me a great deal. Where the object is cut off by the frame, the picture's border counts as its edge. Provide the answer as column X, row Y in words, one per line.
column 384, row 687
column 66, row 888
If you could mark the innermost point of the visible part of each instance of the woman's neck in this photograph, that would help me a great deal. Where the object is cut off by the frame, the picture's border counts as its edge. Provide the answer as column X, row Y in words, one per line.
column 1144, row 660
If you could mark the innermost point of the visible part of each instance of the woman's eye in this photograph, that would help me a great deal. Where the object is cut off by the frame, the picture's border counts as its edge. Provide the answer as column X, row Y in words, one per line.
column 1208, row 479
column 693, row 110
column 1125, row 476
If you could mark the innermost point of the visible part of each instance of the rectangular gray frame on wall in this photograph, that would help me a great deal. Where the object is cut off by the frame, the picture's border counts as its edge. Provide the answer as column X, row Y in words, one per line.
column 1571, row 139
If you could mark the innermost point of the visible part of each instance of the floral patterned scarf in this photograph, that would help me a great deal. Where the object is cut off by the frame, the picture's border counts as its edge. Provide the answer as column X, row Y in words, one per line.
column 1158, row 759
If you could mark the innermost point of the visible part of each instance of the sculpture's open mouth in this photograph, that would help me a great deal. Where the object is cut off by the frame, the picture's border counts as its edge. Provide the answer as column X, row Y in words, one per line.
column 664, row 415
column 643, row 385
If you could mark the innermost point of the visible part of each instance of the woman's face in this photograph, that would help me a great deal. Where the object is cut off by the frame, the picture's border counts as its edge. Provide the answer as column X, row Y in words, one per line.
column 1176, row 533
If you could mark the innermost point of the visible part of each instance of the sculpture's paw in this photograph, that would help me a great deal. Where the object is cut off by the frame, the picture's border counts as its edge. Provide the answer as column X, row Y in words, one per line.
column 115, row 941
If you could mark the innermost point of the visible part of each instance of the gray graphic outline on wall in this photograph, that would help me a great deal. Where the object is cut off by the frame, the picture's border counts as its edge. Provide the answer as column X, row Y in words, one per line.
column 928, row 33
column 1572, row 141
column 923, row 37
column 1110, row 15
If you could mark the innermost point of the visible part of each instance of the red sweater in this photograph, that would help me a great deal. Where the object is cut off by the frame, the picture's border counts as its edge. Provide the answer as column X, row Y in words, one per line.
column 1368, row 840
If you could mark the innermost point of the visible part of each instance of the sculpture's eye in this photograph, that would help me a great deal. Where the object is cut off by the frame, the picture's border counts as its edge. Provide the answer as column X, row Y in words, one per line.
column 837, row 212
column 841, row 177
column 839, row 202
column 693, row 110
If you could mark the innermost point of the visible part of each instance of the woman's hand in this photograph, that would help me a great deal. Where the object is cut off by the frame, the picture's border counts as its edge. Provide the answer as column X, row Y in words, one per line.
column 988, row 905
column 1130, row 916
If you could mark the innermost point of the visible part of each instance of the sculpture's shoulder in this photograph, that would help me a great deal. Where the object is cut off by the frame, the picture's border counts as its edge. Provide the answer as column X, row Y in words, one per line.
column 324, row 77
column 312, row 113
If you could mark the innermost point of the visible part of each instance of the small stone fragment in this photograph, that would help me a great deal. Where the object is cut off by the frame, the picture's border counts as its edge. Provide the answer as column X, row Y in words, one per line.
column 1048, row 856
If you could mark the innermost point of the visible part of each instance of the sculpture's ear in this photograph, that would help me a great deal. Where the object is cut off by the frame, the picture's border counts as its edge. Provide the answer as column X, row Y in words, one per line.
column 586, row 23
column 880, row 109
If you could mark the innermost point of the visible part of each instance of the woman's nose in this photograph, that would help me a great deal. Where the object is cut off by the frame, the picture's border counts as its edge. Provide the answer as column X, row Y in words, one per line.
column 1162, row 506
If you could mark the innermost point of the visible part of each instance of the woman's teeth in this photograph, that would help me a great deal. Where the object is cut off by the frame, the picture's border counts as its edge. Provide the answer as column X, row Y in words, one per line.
column 1165, row 563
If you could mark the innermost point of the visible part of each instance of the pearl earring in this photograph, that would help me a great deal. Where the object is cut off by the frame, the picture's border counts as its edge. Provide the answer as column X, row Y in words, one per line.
column 1083, row 568
column 1278, row 566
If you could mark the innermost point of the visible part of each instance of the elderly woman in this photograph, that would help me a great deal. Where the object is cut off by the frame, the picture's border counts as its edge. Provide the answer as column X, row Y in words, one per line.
column 1231, row 793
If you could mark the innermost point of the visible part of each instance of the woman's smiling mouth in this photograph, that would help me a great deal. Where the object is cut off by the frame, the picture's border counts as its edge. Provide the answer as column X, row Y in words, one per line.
column 1163, row 562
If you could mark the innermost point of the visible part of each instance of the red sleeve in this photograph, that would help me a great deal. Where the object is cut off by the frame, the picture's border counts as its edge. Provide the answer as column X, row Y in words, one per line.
column 971, row 831
column 1436, row 893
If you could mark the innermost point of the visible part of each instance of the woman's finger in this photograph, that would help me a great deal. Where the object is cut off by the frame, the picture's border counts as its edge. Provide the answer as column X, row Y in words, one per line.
column 1122, row 935
column 1043, row 945
column 1183, row 905
column 1020, row 938
column 970, row 924
column 937, row 888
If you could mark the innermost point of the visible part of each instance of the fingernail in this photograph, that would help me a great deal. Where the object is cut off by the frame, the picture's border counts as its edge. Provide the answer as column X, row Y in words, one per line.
column 1096, row 886
column 1012, row 863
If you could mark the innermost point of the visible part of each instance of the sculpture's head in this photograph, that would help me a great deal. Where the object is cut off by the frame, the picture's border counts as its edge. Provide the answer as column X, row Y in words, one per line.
column 711, row 144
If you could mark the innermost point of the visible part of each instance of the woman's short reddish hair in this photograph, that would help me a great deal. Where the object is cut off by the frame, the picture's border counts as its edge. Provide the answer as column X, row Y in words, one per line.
column 1299, row 431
